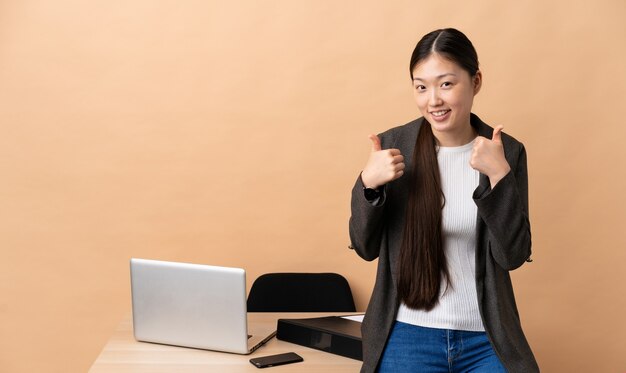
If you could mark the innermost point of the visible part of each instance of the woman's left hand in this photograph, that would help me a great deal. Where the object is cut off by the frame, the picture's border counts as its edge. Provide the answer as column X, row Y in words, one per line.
column 488, row 157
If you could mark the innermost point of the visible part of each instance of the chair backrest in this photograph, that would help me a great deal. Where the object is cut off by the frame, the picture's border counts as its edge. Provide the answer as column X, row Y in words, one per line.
column 300, row 292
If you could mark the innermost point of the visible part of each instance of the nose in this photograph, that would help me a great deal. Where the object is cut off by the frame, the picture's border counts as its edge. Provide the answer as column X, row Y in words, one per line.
column 434, row 99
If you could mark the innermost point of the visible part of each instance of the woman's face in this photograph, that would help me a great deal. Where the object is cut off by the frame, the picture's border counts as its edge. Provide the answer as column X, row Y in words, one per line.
column 444, row 93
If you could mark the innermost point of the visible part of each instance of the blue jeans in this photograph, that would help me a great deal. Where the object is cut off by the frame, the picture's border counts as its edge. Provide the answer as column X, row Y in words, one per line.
column 413, row 348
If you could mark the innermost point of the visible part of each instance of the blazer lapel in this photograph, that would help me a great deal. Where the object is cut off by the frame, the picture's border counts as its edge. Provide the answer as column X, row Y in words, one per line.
column 485, row 131
column 406, row 145
column 482, row 241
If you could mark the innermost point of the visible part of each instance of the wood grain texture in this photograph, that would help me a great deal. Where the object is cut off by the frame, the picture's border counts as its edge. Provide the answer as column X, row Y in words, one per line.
column 123, row 354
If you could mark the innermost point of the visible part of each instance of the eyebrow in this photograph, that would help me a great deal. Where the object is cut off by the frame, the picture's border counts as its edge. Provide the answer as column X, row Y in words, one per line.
column 438, row 77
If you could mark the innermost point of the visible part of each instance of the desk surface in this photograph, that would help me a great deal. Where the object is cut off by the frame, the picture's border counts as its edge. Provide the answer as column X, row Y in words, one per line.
column 123, row 353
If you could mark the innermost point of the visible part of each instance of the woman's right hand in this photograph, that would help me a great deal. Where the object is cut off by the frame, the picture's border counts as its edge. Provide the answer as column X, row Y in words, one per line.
column 383, row 166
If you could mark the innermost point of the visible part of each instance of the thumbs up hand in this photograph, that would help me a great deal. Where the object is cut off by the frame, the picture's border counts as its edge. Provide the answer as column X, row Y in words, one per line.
column 488, row 157
column 382, row 166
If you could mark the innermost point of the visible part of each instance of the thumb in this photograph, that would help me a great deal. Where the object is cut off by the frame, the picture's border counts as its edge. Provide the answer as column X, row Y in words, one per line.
column 497, row 136
column 375, row 142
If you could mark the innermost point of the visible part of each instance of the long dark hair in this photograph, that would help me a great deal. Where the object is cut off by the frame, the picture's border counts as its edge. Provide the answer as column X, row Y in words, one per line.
column 423, row 264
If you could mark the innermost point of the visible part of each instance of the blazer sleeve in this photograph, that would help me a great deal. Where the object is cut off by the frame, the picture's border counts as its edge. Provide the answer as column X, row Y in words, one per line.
column 504, row 209
column 366, row 224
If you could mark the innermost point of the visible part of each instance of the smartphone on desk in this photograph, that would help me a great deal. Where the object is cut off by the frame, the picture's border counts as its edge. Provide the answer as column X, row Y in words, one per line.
column 273, row 360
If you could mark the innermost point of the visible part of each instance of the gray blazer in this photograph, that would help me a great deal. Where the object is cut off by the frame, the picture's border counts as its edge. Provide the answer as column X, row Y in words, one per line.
column 503, row 243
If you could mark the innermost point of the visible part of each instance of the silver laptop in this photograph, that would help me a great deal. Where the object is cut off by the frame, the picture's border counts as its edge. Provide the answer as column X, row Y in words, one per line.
column 193, row 305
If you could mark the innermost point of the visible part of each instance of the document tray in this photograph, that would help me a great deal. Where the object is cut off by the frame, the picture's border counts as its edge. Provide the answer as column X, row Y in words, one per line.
column 332, row 334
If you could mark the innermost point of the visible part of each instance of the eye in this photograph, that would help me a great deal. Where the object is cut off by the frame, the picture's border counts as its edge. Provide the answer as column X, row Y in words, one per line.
column 446, row 85
column 420, row 88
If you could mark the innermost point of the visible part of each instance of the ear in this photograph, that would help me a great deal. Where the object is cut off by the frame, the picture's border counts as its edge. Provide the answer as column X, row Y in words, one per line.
column 478, row 81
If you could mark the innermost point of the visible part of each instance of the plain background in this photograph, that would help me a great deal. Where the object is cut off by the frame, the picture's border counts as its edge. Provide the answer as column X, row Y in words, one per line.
column 230, row 133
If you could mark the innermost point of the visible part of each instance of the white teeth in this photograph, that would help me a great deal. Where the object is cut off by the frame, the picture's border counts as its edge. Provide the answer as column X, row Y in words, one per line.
column 440, row 113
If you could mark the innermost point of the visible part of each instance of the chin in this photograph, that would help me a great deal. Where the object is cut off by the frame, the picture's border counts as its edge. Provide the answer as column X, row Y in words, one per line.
column 441, row 127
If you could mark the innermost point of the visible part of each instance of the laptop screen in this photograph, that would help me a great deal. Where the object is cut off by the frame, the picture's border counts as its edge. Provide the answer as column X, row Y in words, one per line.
column 189, row 305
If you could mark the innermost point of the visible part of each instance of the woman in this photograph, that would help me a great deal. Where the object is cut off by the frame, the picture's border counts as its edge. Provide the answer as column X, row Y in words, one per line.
column 447, row 224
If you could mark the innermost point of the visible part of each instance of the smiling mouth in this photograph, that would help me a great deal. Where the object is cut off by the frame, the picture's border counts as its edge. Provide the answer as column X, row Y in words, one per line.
column 439, row 113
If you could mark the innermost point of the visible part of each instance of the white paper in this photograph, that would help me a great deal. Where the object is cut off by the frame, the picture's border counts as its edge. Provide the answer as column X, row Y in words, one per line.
column 357, row 318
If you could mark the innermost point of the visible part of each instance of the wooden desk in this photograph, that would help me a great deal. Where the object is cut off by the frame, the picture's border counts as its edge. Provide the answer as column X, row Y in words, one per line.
column 123, row 353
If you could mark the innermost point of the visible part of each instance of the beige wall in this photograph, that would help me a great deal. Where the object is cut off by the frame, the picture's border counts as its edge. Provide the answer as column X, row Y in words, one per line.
column 231, row 135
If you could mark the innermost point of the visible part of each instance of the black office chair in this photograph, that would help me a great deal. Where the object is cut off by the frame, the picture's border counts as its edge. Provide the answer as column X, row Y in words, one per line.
column 300, row 292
